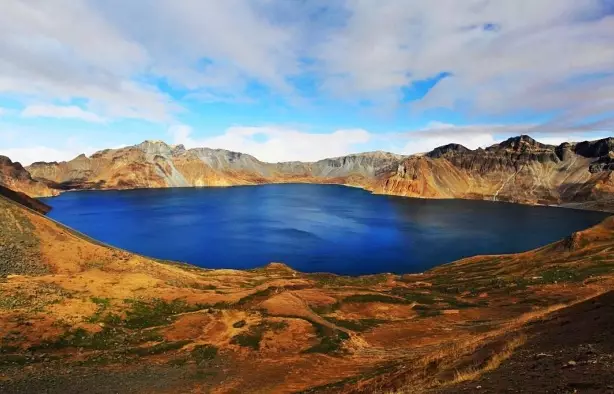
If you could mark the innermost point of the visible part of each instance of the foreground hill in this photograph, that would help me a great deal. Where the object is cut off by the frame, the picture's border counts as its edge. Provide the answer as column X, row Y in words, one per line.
column 79, row 316
column 517, row 170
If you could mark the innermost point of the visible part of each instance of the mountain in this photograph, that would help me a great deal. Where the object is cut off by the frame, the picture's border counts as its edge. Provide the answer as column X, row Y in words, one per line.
column 79, row 316
column 17, row 178
column 519, row 169
column 154, row 164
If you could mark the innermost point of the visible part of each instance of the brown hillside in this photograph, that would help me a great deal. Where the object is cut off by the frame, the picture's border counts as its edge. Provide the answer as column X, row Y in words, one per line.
column 76, row 314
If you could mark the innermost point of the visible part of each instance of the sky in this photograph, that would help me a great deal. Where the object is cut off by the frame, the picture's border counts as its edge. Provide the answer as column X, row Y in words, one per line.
column 301, row 79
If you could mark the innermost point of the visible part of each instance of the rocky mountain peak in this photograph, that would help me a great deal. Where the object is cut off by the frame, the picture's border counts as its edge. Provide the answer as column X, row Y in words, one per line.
column 521, row 142
column 152, row 147
column 178, row 149
column 447, row 149
column 597, row 148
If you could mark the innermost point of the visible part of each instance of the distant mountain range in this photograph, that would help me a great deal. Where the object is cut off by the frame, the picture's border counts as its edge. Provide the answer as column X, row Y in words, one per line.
column 519, row 169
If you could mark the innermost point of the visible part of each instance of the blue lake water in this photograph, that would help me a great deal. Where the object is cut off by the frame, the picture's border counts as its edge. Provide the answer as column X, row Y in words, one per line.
column 312, row 228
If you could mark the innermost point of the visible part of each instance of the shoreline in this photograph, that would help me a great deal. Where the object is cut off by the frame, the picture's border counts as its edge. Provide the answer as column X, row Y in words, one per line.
column 566, row 205
column 101, row 243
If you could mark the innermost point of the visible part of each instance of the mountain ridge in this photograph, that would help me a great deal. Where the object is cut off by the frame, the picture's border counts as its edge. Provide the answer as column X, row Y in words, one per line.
column 519, row 169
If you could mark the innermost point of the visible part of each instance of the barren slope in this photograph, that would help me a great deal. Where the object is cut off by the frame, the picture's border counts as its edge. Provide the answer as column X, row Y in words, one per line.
column 17, row 178
column 76, row 315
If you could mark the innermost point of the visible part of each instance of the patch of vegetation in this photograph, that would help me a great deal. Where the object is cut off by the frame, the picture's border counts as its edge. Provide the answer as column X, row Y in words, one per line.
column 178, row 362
column 202, row 354
column 102, row 304
column 254, row 335
column 155, row 313
column 19, row 244
column 326, row 309
column 375, row 298
column 14, row 359
column 331, row 340
column 96, row 360
column 204, row 375
column 200, row 286
column 557, row 275
column 413, row 296
column 158, row 349
column 426, row 311
column 239, row 324
column 261, row 294
column 107, row 338
column 596, row 270
column 332, row 280
column 356, row 325
column 7, row 349
column 14, row 301
column 277, row 326
column 249, row 339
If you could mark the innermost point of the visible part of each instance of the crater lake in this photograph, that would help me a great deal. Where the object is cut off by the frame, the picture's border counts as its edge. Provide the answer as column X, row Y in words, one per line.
column 312, row 228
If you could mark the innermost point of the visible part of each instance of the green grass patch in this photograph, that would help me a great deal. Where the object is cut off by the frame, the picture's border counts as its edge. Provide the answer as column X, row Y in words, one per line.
column 155, row 313
column 102, row 304
column 557, row 275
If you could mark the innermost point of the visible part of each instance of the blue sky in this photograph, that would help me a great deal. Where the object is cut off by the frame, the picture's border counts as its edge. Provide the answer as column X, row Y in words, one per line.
column 301, row 80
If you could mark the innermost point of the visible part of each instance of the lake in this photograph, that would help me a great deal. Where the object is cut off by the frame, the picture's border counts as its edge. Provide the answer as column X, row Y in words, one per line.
column 312, row 228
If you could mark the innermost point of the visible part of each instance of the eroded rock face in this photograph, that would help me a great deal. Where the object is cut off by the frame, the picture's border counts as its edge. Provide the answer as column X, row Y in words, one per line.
column 153, row 164
column 519, row 169
column 15, row 177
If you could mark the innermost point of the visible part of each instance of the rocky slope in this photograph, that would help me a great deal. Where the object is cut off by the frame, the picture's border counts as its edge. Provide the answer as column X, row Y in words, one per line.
column 154, row 164
column 517, row 170
column 17, row 178
column 78, row 316
column 25, row 200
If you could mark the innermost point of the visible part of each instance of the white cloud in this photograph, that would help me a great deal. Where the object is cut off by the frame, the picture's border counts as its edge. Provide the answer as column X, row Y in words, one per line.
column 504, row 56
column 31, row 154
column 61, row 112
column 277, row 144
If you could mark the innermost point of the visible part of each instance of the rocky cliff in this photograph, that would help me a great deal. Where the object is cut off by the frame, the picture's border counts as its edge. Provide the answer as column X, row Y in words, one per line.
column 154, row 164
column 519, row 169
column 17, row 178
